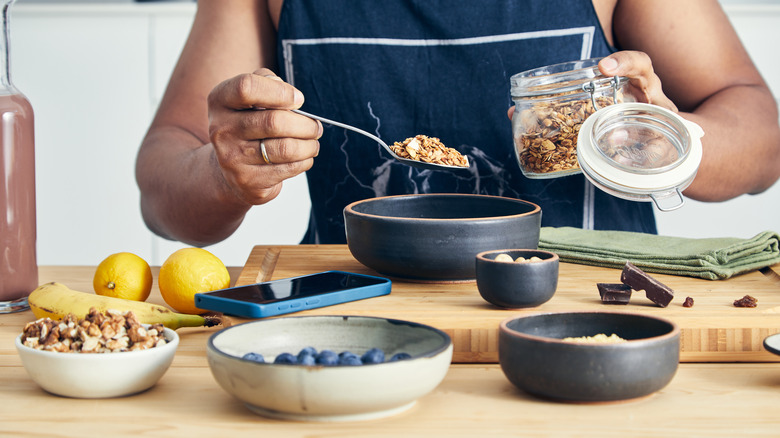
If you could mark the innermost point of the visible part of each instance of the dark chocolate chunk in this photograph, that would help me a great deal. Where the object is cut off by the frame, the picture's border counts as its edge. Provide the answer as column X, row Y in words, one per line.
column 746, row 301
column 688, row 302
column 614, row 293
column 655, row 291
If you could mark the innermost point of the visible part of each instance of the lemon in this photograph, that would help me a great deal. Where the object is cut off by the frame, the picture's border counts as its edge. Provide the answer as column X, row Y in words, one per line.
column 123, row 275
column 189, row 271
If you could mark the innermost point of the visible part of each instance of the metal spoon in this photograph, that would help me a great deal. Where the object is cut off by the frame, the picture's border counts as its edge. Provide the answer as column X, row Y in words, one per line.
column 410, row 162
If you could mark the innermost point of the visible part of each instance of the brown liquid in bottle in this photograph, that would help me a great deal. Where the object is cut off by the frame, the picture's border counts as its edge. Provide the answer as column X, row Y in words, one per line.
column 18, row 263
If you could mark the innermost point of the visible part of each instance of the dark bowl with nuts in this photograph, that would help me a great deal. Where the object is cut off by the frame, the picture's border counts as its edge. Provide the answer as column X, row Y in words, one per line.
column 589, row 356
column 435, row 237
column 517, row 278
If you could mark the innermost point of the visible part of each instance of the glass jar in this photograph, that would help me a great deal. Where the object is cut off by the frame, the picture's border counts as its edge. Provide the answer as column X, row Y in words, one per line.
column 18, row 262
column 640, row 152
column 551, row 103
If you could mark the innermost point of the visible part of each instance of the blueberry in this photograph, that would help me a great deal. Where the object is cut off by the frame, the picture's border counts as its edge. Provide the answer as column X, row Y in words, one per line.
column 285, row 358
column 349, row 358
column 400, row 356
column 327, row 357
column 374, row 355
column 346, row 353
column 255, row 357
column 307, row 359
column 307, row 352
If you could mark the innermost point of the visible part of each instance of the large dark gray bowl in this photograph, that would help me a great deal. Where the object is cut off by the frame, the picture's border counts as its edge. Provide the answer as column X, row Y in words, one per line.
column 534, row 357
column 435, row 237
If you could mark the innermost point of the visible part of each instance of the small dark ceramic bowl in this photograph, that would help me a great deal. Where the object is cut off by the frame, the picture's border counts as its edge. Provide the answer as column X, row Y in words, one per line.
column 513, row 284
column 536, row 359
column 435, row 237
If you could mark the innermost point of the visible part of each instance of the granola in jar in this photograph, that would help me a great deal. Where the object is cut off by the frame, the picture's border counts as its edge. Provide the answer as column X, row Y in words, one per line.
column 551, row 104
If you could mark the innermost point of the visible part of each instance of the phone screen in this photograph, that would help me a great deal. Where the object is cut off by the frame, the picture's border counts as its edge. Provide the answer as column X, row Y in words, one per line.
column 299, row 287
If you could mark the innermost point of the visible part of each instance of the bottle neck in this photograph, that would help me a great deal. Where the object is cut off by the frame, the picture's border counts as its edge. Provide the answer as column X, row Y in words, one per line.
column 5, row 65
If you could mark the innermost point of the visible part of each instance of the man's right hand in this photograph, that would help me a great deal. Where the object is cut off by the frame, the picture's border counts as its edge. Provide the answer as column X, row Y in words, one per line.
column 249, row 113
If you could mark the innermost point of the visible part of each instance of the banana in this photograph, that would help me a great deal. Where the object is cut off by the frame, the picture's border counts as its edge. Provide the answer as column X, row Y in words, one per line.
column 55, row 301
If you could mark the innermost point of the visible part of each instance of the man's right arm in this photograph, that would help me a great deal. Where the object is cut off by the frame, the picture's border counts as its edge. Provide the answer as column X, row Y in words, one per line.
column 199, row 168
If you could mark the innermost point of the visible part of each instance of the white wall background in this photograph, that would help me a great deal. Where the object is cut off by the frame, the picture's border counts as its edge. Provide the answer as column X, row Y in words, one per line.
column 94, row 74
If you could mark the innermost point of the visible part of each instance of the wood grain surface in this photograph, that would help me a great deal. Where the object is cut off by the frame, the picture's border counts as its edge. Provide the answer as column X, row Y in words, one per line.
column 713, row 330
column 475, row 400
column 703, row 400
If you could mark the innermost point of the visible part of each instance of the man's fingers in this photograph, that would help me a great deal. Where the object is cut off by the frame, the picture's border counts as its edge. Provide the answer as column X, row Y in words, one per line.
column 644, row 84
column 259, row 91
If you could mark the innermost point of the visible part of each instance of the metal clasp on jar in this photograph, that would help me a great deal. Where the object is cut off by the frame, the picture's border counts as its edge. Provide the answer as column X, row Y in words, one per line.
column 615, row 83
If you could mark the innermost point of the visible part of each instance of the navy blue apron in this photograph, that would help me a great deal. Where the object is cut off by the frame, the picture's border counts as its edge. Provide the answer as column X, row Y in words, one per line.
column 399, row 68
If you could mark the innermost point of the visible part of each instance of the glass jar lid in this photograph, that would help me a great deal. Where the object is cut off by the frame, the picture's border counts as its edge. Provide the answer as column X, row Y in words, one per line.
column 582, row 76
column 640, row 152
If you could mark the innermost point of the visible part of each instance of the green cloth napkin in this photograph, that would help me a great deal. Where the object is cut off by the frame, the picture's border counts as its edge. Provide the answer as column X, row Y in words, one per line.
column 709, row 258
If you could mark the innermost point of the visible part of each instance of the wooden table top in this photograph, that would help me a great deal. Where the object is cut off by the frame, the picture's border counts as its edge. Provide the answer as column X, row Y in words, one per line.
column 713, row 330
column 703, row 399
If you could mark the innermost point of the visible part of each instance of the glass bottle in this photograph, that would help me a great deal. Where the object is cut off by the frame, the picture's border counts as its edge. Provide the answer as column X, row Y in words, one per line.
column 18, row 262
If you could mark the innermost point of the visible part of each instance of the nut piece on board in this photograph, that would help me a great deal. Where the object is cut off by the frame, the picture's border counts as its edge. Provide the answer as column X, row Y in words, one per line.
column 655, row 291
column 746, row 301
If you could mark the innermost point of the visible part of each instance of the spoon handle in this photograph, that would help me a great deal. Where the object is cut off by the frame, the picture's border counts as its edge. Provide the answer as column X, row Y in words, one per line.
column 351, row 128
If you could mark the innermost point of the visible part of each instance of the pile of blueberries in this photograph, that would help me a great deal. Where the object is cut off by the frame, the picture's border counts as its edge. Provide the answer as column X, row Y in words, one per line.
column 310, row 356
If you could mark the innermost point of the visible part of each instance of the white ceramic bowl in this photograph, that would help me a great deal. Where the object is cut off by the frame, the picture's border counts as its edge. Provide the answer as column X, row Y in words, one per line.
column 98, row 375
column 329, row 393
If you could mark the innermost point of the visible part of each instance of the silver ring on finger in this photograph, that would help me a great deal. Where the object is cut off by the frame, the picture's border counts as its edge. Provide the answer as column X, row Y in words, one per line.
column 264, row 152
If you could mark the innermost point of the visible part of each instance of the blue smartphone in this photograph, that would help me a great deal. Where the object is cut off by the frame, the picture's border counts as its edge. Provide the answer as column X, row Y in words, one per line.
column 288, row 295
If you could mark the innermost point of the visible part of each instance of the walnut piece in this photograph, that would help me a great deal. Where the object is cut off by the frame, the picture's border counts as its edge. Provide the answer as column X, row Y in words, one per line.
column 109, row 332
column 746, row 301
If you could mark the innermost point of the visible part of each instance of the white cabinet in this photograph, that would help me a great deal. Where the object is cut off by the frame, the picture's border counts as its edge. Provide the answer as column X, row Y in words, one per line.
column 95, row 73
column 82, row 73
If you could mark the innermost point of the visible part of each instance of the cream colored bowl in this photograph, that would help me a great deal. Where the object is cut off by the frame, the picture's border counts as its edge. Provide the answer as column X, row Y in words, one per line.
column 336, row 392
column 98, row 375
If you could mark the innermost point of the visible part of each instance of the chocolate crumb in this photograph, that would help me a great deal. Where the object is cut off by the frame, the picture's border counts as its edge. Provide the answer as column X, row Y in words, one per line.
column 688, row 302
column 746, row 301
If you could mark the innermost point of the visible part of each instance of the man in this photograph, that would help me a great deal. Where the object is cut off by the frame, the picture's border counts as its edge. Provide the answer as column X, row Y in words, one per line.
column 224, row 141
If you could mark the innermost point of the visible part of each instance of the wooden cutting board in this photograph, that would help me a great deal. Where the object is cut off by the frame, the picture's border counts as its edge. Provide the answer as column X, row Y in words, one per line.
column 713, row 330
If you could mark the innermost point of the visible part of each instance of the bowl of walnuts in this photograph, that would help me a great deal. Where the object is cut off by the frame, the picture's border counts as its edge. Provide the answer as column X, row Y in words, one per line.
column 102, row 355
